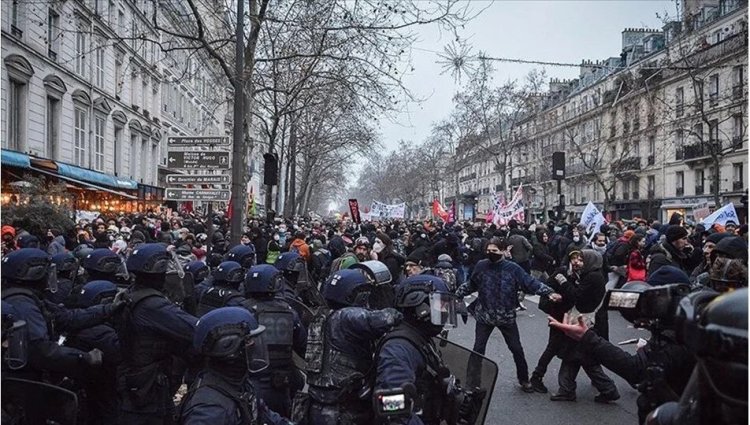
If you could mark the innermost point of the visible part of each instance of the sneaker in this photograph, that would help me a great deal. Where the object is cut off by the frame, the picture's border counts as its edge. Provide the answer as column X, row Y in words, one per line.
column 563, row 397
column 606, row 398
column 537, row 384
column 526, row 387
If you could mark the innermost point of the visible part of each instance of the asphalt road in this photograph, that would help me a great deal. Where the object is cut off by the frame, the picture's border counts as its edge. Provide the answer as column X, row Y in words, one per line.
column 510, row 405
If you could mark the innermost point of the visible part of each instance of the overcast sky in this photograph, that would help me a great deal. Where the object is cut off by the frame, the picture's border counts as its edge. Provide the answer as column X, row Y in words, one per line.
column 556, row 31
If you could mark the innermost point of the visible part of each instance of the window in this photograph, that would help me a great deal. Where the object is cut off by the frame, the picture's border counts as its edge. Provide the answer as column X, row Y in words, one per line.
column 133, row 86
column 698, row 90
column 738, row 78
column 16, row 114
column 118, row 74
column 651, row 184
column 154, row 162
column 679, row 144
column 713, row 131
column 15, row 18
column 713, row 89
column 120, row 22
column 698, row 133
column 651, row 145
column 117, row 150
column 53, row 126
column 100, row 127
column 144, row 91
column 53, row 34
column 145, row 159
column 680, row 183
column 636, row 149
column 133, row 155
column 717, row 37
column 111, row 13
column 679, row 100
column 626, row 189
column 79, row 130
column 100, row 57
column 699, row 182
column 81, row 52
column 738, row 176
column 737, row 132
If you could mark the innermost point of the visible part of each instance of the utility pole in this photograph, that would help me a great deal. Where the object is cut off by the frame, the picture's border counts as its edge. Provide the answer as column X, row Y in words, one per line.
column 238, row 139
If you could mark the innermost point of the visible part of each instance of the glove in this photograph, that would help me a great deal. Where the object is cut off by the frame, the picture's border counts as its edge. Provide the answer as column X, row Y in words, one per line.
column 562, row 280
column 394, row 316
column 93, row 357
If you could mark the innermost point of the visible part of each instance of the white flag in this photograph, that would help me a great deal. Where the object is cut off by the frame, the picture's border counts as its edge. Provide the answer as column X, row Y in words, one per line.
column 722, row 215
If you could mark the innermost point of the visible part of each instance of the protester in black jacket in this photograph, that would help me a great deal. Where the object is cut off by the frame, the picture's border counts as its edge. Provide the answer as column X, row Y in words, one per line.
column 585, row 292
column 543, row 263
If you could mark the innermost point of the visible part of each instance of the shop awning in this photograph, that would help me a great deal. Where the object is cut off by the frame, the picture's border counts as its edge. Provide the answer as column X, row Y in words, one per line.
column 14, row 159
column 95, row 177
column 85, row 183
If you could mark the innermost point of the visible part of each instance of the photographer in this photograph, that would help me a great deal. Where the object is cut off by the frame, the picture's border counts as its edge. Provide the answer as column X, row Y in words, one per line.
column 662, row 366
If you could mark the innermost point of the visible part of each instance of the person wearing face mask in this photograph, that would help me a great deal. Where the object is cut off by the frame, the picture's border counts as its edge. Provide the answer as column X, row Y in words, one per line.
column 386, row 254
column 281, row 233
column 497, row 280
column 577, row 244
column 273, row 249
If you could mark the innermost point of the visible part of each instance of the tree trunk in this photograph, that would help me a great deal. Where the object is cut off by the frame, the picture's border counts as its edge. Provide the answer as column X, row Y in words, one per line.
column 716, row 177
column 292, row 179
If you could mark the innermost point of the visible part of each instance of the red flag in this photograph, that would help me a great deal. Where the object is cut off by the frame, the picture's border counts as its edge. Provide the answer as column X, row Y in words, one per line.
column 439, row 211
column 452, row 212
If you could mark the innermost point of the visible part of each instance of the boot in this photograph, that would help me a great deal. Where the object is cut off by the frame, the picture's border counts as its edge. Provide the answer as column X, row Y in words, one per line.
column 537, row 384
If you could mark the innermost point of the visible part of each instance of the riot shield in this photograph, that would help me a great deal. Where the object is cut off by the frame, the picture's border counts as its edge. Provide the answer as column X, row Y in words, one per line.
column 34, row 402
column 474, row 373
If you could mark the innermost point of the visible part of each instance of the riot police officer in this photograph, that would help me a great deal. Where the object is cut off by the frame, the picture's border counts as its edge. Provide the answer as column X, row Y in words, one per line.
column 225, row 291
column 14, row 338
column 230, row 339
column 243, row 254
column 67, row 270
column 27, row 274
column 717, row 390
column 298, row 281
column 339, row 351
column 105, row 264
column 201, row 273
column 100, row 401
column 284, row 334
column 151, row 331
column 407, row 358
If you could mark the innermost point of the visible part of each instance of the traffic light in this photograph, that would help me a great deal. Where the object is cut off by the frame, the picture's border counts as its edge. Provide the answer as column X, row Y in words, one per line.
column 270, row 169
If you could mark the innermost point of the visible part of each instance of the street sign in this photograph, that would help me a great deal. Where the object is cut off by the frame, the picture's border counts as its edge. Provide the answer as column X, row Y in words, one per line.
column 181, row 194
column 199, row 159
column 197, row 179
column 192, row 142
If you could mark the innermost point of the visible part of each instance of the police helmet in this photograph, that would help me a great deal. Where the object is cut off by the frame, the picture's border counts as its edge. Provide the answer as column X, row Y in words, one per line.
column 229, row 272
column 199, row 270
column 26, row 265
column 102, row 260
column 347, row 288
column 65, row 262
column 263, row 279
column 227, row 332
column 82, row 251
column 96, row 292
column 149, row 258
column 428, row 298
column 243, row 254
column 290, row 261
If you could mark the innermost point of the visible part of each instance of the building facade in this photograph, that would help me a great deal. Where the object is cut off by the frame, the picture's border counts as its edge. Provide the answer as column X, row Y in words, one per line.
column 659, row 129
column 88, row 84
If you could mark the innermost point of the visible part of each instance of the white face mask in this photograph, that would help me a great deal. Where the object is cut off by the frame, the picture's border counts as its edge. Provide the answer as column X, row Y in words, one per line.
column 600, row 249
column 378, row 246
column 576, row 238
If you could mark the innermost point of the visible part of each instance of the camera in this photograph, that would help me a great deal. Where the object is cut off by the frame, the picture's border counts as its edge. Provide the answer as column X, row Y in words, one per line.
column 646, row 306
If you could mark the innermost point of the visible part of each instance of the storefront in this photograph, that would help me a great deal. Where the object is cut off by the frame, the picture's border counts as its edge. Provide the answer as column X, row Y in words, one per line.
column 87, row 190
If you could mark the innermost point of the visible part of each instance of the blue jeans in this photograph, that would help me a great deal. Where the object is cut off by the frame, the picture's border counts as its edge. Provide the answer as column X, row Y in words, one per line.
column 512, row 339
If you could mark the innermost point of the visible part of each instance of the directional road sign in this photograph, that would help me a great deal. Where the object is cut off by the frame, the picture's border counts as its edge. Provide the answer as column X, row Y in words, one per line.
column 192, row 142
column 197, row 179
column 181, row 194
column 199, row 159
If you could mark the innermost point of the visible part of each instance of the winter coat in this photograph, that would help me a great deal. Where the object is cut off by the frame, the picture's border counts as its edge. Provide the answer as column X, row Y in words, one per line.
column 498, row 284
column 521, row 248
column 301, row 247
column 665, row 254
column 57, row 246
column 636, row 266
column 543, row 260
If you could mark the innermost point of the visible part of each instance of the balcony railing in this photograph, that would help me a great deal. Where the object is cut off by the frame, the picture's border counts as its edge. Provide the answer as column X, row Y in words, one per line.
column 736, row 92
column 679, row 191
column 737, row 142
column 700, row 150
column 699, row 190
column 627, row 164
column 738, row 185
column 468, row 177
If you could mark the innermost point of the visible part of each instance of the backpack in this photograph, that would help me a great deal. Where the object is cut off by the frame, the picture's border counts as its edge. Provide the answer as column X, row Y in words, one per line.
column 449, row 276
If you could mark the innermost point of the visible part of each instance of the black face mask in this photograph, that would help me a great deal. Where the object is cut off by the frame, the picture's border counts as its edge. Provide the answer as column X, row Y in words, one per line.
column 494, row 256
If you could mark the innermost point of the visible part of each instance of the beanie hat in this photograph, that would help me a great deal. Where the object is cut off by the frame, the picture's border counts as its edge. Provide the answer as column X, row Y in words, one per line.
column 732, row 247
column 675, row 232
column 666, row 275
column 8, row 229
column 716, row 237
column 417, row 256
